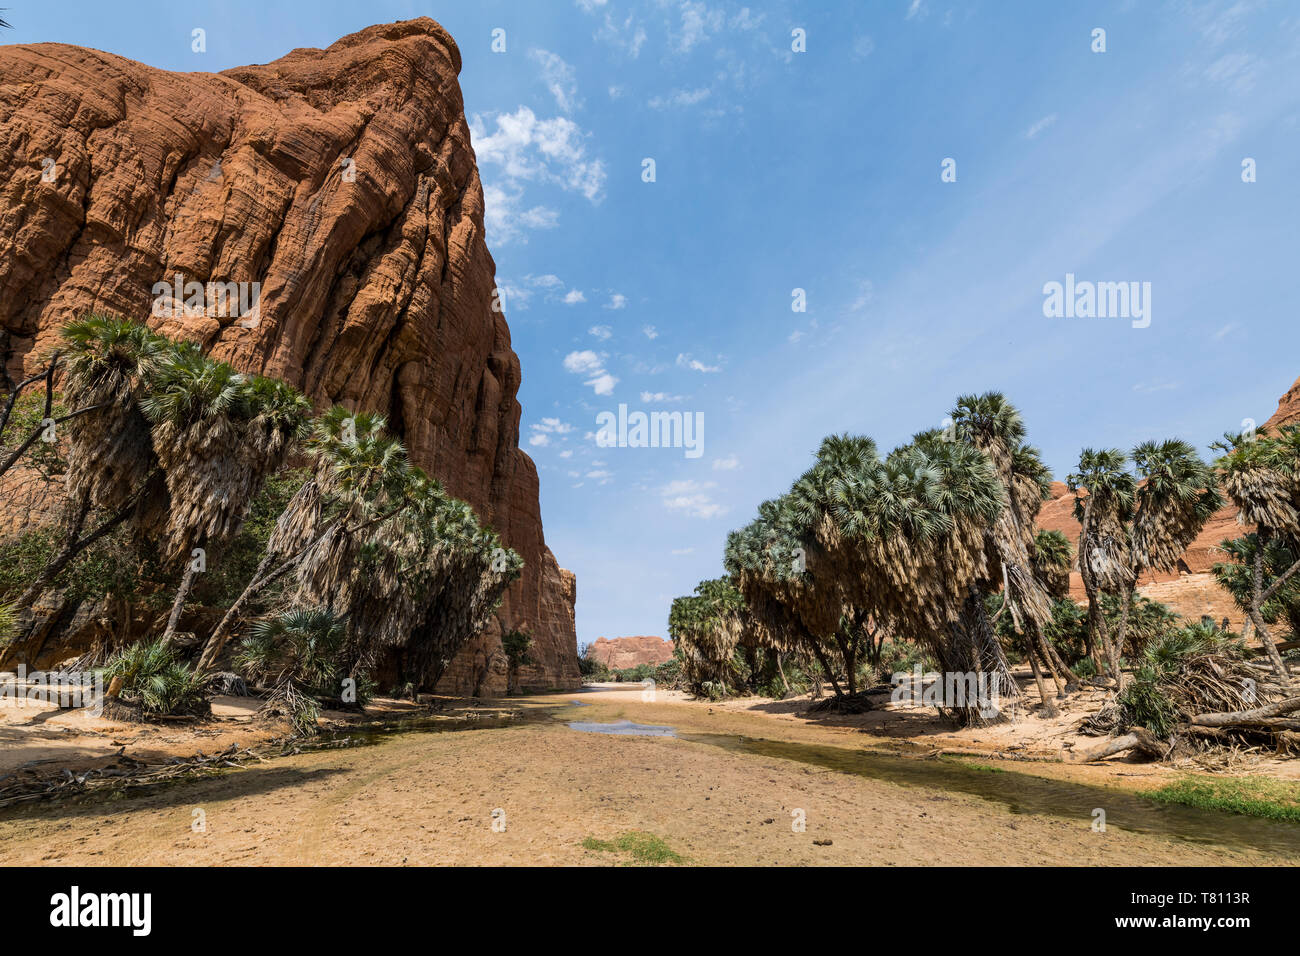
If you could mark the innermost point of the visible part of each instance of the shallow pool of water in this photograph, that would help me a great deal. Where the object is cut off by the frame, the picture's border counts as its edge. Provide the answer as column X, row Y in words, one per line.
column 622, row 728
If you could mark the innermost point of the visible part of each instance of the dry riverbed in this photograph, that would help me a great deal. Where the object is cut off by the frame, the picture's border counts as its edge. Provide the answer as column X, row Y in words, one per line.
column 568, row 797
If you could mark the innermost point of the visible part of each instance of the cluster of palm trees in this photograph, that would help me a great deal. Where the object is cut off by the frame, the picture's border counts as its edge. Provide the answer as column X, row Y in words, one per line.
column 170, row 447
column 935, row 543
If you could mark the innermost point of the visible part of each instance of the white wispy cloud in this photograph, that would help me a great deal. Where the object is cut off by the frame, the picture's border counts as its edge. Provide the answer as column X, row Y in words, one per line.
column 650, row 332
column 680, row 98
column 660, row 397
column 1038, row 127
column 694, row 498
column 574, row 296
column 527, row 150
column 698, row 21
column 559, row 78
column 616, row 301
column 602, row 332
column 543, row 430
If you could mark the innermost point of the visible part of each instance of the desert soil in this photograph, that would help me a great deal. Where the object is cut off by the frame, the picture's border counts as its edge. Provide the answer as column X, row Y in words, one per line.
column 429, row 798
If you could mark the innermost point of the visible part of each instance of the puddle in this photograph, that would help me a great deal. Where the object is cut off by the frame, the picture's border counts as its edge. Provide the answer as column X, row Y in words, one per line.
column 1027, row 794
column 622, row 728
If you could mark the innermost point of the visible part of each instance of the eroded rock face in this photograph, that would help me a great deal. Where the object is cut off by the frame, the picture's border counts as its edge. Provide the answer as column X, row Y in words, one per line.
column 1189, row 590
column 620, row 653
column 343, row 182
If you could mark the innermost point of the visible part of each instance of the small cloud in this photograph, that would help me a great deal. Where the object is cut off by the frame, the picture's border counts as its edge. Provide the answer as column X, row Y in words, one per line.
column 863, row 47
column 573, row 297
column 730, row 463
column 650, row 332
column 1225, row 331
column 917, row 10
column 1149, row 387
column 794, row 336
column 616, row 301
column 589, row 364
column 681, row 551
column 538, row 441
column 1042, row 124
column 602, row 332
column 552, row 426
column 685, row 361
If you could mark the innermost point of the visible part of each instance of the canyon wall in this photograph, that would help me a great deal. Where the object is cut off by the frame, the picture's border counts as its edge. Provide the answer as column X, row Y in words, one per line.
column 343, row 182
column 620, row 653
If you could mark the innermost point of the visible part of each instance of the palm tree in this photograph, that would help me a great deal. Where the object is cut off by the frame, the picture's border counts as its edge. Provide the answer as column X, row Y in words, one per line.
column 1139, row 522
column 993, row 425
column 464, row 573
column 707, row 627
column 1261, row 476
column 920, row 519
column 1237, row 577
column 297, row 654
column 1103, row 505
column 1053, row 558
column 111, row 463
column 1177, row 493
column 217, row 434
column 516, row 644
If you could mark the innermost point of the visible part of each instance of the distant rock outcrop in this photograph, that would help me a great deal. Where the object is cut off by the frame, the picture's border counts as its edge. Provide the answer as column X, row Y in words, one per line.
column 343, row 183
column 1190, row 590
column 620, row 653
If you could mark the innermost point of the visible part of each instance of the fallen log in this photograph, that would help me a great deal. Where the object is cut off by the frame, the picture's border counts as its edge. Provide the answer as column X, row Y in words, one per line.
column 1290, row 705
column 1139, row 738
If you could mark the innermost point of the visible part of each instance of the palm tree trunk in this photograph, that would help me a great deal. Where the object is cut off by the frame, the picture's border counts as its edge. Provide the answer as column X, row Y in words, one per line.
column 830, row 675
column 781, row 670
column 1058, row 663
column 217, row 641
column 1257, row 618
column 182, row 592
column 1122, row 636
column 1046, row 707
column 1098, row 632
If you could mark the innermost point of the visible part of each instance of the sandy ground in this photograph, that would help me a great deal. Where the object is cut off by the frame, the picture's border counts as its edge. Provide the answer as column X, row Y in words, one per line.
column 38, row 736
column 429, row 799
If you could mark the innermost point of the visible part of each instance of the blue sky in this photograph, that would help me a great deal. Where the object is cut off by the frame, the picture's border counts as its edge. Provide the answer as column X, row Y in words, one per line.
column 820, row 170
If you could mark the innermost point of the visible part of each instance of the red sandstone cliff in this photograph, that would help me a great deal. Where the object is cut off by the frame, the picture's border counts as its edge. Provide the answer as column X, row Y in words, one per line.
column 343, row 181
column 1190, row 590
column 620, row 653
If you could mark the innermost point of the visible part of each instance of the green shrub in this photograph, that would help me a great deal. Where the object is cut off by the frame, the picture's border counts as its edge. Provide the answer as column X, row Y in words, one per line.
column 156, row 681
column 300, row 655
